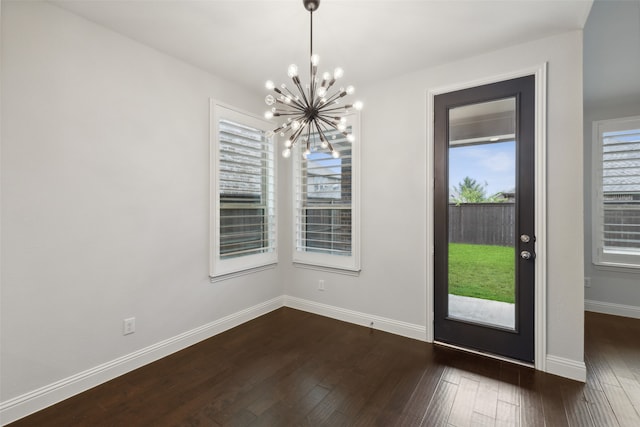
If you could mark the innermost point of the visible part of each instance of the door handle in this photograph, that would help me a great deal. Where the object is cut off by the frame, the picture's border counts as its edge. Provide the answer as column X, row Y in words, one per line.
column 526, row 255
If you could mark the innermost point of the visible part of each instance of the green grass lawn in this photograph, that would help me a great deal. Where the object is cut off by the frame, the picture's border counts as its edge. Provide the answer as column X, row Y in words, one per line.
column 482, row 271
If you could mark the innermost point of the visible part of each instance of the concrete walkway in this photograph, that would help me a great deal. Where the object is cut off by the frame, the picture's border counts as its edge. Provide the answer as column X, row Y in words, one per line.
column 483, row 311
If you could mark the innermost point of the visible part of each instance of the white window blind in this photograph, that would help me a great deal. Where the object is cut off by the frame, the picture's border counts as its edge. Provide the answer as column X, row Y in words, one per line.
column 326, row 204
column 617, row 199
column 244, row 193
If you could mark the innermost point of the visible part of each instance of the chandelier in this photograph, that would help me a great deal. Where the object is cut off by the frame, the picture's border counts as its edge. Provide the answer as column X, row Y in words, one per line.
column 313, row 109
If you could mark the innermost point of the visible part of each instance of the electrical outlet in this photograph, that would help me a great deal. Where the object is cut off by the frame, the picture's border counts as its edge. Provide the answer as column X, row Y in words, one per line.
column 321, row 285
column 128, row 326
column 587, row 282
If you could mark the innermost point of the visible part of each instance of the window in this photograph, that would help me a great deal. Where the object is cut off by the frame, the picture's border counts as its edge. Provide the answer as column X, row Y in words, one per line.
column 616, row 210
column 243, row 221
column 326, row 207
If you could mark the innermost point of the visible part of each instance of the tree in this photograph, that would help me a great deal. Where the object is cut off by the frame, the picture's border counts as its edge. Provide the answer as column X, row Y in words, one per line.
column 471, row 191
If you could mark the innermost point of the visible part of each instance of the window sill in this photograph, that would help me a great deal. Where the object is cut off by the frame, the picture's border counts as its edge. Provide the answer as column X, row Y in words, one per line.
column 337, row 270
column 617, row 267
column 222, row 277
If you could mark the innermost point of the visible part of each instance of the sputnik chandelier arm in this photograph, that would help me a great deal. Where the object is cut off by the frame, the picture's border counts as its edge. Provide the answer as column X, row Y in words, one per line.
column 312, row 109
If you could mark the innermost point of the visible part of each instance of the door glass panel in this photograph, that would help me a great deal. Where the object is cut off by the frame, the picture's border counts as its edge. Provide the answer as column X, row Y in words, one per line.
column 481, row 210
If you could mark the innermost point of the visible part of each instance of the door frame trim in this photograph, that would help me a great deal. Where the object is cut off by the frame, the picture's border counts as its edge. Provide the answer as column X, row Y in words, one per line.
column 540, row 321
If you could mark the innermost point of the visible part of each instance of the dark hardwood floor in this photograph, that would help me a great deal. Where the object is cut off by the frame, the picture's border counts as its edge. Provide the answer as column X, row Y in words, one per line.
column 291, row 368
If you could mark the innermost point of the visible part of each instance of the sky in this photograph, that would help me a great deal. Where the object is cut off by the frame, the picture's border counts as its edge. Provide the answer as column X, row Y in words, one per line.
column 492, row 163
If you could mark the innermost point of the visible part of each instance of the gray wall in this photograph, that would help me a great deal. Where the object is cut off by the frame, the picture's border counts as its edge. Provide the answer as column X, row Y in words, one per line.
column 105, row 198
column 611, row 90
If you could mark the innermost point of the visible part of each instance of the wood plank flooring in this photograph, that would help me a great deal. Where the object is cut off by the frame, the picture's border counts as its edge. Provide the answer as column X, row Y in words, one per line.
column 291, row 368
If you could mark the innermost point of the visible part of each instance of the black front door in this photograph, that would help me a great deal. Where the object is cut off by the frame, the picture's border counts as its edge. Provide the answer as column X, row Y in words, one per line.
column 484, row 218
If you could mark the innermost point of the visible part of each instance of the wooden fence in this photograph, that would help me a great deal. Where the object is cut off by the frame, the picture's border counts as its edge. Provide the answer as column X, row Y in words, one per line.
column 482, row 223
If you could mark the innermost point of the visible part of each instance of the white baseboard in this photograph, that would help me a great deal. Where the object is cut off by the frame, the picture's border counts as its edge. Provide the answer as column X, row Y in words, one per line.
column 611, row 308
column 33, row 401
column 568, row 368
column 397, row 327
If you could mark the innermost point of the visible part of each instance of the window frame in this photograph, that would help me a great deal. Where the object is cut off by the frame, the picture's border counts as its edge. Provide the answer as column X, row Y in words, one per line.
column 600, row 257
column 220, row 268
column 347, row 264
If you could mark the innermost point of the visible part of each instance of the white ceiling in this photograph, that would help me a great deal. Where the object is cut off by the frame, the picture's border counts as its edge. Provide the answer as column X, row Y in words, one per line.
column 249, row 42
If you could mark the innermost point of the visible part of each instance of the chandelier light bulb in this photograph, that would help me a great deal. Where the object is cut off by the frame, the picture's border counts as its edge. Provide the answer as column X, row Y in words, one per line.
column 292, row 71
column 351, row 138
column 311, row 111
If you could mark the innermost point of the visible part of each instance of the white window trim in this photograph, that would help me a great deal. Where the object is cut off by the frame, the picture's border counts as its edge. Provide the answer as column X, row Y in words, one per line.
column 600, row 258
column 327, row 262
column 220, row 269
